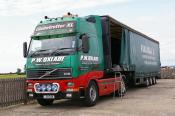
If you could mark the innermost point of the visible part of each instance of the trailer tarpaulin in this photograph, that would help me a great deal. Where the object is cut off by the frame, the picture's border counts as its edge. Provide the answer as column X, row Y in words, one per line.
column 125, row 46
column 139, row 51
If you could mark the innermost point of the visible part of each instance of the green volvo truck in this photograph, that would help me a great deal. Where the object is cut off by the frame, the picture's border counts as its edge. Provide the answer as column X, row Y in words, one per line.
column 73, row 57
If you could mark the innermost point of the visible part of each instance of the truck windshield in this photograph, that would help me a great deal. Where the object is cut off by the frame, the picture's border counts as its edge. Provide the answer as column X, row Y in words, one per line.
column 54, row 46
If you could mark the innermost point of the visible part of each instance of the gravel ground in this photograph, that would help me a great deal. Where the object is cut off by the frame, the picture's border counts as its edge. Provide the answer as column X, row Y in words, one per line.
column 156, row 100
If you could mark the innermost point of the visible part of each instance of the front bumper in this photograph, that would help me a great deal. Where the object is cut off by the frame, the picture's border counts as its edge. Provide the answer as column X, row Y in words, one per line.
column 59, row 95
column 66, row 90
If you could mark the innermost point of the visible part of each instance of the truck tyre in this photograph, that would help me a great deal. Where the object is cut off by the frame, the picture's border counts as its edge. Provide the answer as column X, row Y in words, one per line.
column 153, row 80
column 91, row 95
column 45, row 102
column 150, row 81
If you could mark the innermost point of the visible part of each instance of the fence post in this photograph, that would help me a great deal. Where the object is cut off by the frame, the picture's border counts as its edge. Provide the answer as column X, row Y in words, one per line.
column 25, row 93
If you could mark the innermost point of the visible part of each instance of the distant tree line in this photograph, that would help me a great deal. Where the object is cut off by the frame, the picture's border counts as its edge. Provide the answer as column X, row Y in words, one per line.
column 18, row 71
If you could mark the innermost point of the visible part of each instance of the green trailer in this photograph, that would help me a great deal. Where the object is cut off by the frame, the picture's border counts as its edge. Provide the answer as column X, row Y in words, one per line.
column 130, row 52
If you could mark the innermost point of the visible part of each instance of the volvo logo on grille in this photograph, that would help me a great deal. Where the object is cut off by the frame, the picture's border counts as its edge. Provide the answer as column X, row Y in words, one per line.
column 47, row 72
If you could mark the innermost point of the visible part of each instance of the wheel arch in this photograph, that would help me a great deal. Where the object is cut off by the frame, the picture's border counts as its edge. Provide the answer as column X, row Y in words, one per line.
column 95, row 81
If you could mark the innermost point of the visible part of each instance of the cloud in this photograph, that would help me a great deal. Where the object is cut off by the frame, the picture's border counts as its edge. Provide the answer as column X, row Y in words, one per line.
column 146, row 19
column 27, row 7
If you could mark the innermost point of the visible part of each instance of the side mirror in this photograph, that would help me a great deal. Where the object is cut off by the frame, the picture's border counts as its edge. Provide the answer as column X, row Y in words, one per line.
column 85, row 43
column 25, row 49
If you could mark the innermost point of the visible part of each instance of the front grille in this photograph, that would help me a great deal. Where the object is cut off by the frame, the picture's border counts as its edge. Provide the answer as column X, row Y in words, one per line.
column 49, row 73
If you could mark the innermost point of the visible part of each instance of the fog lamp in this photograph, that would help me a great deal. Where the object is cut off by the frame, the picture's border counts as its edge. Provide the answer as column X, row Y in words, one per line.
column 49, row 87
column 54, row 87
column 43, row 87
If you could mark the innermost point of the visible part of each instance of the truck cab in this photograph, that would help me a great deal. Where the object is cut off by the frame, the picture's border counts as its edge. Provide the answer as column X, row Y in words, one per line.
column 65, row 58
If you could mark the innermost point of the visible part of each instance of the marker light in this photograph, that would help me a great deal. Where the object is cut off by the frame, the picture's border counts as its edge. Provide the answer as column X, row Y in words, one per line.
column 30, row 85
column 70, row 84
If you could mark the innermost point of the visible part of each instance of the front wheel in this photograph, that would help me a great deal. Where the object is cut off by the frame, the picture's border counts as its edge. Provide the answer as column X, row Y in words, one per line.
column 92, row 95
column 45, row 102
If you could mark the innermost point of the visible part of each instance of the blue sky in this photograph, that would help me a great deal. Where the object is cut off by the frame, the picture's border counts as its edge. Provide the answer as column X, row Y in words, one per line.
column 18, row 18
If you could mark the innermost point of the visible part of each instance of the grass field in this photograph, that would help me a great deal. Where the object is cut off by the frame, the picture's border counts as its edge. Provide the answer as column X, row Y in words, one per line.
column 11, row 75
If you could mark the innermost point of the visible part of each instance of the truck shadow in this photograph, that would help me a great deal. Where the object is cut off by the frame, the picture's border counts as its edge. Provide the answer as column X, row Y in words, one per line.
column 78, row 104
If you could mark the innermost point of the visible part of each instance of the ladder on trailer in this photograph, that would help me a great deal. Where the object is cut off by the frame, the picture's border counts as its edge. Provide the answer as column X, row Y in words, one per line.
column 121, row 83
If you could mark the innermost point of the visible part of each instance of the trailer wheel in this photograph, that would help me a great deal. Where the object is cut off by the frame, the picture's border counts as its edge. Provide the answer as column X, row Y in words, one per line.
column 147, row 82
column 45, row 102
column 150, row 81
column 92, row 94
column 153, row 80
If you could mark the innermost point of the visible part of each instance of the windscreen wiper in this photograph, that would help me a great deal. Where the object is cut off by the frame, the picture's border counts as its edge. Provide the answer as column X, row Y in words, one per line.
column 58, row 51
column 42, row 50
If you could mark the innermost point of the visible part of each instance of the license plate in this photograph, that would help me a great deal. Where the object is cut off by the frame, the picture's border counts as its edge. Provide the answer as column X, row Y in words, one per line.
column 48, row 96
